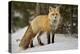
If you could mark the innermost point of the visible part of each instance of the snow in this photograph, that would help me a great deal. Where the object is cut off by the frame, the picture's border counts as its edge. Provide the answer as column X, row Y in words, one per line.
column 62, row 42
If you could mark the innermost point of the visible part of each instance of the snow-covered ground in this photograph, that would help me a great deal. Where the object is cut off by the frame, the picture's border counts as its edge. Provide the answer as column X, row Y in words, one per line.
column 62, row 42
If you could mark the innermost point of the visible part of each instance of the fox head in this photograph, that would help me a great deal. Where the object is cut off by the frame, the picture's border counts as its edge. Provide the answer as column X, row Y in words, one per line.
column 54, row 17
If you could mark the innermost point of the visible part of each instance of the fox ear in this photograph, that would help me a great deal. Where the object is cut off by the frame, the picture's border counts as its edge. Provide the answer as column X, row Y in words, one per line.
column 51, row 9
column 57, row 8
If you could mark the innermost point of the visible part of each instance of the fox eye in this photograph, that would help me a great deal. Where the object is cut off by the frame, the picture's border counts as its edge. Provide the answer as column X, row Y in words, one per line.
column 53, row 14
column 56, row 14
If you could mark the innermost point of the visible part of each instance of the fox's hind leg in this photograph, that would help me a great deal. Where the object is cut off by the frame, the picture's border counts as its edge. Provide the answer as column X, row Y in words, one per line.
column 38, row 38
column 31, row 43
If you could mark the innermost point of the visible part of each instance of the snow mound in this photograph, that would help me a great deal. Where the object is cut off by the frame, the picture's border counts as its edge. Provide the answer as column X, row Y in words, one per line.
column 62, row 42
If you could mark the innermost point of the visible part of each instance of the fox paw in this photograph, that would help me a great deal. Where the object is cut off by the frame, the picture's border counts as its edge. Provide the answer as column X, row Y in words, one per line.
column 41, row 44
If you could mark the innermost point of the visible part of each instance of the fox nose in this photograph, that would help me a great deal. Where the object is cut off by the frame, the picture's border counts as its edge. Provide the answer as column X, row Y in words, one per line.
column 55, row 17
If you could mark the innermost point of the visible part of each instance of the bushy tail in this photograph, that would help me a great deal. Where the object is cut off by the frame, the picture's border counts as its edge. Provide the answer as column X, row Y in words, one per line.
column 25, row 41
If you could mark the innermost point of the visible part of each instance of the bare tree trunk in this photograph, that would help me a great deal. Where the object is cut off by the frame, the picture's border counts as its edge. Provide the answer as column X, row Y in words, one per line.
column 37, row 9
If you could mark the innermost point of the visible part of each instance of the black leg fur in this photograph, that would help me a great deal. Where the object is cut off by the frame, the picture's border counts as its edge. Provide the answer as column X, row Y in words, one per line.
column 48, row 38
column 38, row 38
column 31, row 44
column 53, row 37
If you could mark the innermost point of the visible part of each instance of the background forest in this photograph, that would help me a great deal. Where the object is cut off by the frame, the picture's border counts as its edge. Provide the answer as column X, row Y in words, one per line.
column 24, row 12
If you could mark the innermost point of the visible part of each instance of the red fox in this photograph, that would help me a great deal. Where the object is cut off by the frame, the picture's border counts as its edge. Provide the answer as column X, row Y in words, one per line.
column 42, row 23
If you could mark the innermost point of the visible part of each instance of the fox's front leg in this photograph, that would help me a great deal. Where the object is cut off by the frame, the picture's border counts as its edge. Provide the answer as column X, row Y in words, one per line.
column 53, row 34
column 48, row 37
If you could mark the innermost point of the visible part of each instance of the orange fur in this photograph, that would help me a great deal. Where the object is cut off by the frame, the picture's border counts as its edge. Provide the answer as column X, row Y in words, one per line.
column 41, row 23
